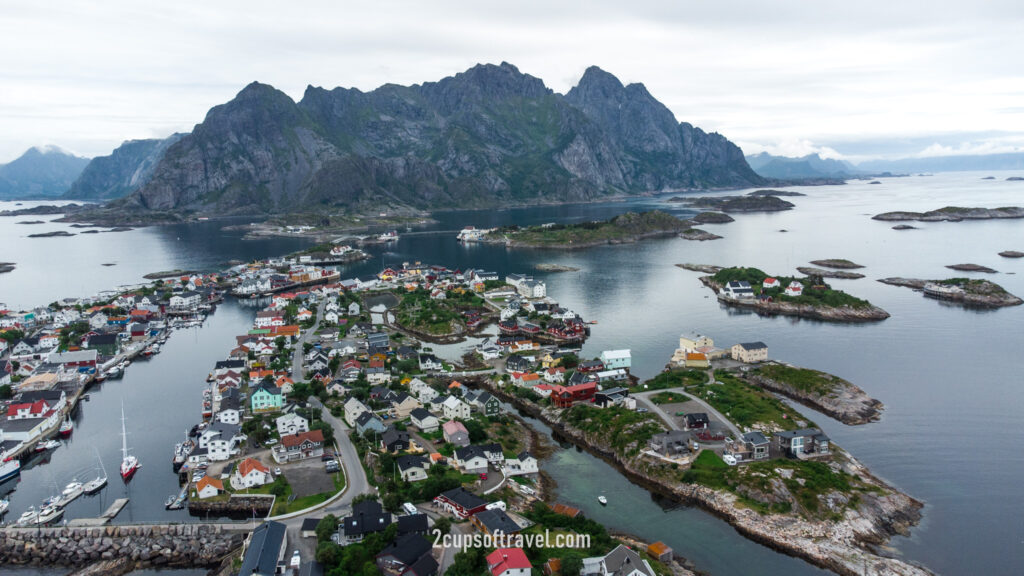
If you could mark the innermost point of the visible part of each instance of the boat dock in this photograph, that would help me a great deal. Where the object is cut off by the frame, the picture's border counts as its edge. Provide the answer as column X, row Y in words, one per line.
column 106, row 517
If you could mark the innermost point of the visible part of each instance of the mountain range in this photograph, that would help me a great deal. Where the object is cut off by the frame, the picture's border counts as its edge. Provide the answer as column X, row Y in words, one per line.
column 490, row 136
column 810, row 166
column 41, row 172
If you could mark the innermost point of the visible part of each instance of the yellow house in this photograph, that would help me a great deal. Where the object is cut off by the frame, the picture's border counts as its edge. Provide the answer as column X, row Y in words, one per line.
column 697, row 360
column 694, row 342
column 549, row 361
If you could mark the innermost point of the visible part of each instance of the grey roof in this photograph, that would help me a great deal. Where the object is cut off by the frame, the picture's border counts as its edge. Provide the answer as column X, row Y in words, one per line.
column 264, row 549
column 311, row 568
column 622, row 560
column 497, row 521
column 367, row 516
column 392, row 436
column 753, row 345
column 420, row 414
column 756, row 438
column 524, row 455
column 464, row 498
column 411, row 461
column 365, row 417
column 310, row 524
column 51, row 396
column 801, row 433
column 468, row 452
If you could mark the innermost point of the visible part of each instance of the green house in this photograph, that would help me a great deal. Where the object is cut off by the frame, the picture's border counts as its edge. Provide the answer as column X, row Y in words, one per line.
column 266, row 397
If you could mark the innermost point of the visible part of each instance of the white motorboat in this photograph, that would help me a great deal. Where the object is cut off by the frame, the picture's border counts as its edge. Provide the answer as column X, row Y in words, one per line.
column 49, row 514
column 4, row 505
column 28, row 517
column 602, row 500
column 95, row 485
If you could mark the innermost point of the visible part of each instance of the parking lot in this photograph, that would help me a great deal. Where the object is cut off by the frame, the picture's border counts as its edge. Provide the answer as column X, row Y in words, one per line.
column 307, row 477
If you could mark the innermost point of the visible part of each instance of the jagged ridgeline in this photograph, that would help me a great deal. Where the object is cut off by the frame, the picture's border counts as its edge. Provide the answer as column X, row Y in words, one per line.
column 489, row 136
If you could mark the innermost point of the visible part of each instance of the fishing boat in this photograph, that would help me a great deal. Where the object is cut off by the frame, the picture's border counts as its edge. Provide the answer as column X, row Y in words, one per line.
column 602, row 500
column 48, row 445
column 129, row 463
column 9, row 469
column 66, row 427
column 4, row 505
column 182, row 451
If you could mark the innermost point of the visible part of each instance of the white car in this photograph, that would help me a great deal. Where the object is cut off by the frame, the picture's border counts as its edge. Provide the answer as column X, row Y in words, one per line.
column 729, row 459
column 296, row 559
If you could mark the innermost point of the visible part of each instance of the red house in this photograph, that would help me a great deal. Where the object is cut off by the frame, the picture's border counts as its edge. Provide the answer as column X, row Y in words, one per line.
column 461, row 502
column 565, row 396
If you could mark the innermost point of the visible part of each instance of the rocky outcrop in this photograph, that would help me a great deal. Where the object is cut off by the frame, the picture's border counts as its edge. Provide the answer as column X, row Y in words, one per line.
column 712, row 218
column 953, row 214
column 486, row 137
column 845, row 401
column 838, row 263
column 1011, row 254
column 971, row 293
column 811, row 271
column 132, row 547
column 845, row 314
column 698, row 234
column 742, row 204
column 971, row 268
column 779, row 193
column 705, row 268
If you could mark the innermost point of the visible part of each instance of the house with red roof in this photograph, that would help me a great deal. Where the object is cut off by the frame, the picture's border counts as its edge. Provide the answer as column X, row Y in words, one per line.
column 250, row 473
column 508, row 562
column 299, row 446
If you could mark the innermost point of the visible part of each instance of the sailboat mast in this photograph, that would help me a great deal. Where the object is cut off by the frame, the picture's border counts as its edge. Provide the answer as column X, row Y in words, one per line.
column 124, row 434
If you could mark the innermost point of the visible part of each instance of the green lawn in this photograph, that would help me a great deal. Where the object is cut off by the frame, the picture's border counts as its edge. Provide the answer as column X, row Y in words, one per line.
column 745, row 404
column 669, row 398
column 804, row 379
column 824, row 296
column 676, row 378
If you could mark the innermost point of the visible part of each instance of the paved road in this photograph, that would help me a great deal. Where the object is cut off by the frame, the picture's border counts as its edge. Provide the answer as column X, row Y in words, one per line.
column 644, row 396
column 299, row 355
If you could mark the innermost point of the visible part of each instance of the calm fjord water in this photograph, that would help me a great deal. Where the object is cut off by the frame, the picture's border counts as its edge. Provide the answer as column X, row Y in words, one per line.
column 950, row 378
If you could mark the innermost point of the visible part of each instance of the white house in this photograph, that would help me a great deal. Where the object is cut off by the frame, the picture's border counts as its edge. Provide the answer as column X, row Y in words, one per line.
column 250, row 473
column 413, row 467
column 621, row 562
column 455, row 408
column 794, row 289
column 422, row 390
column 523, row 463
column 750, row 352
column 291, row 424
column 229, row 415
column 353, row 309
column 532, row 289
column 424, row 420
column 331, row 316
column 770, row 283
column 470, row 459
column 208, row 487
column 738, row 289
column 353, row 408
column 185, row 300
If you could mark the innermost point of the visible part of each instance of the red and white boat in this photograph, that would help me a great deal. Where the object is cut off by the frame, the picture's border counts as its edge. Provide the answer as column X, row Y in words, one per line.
column 66, row 427
column 129, row 464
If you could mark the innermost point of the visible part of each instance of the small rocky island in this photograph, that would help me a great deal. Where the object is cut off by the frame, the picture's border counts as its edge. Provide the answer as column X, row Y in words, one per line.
column 622, row 229
column 775, row 193
column 1011, row 254
column 55, row 234
column 556, row 268
column 953, row 214
column 838, row 263
column 808, row 297
column 971, row 268
column 6, row 267
column 966, row 291
column 840, row 274
column 904, row 227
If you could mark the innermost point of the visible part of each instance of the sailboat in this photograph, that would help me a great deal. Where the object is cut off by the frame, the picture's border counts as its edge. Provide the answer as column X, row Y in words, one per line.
column 129, row 464
column 93, row 486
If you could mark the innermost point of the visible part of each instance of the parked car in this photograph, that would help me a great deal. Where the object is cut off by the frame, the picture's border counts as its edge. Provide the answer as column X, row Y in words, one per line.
column 483, row 476
column 277, row 471
column 729, row 459
column 641, row 410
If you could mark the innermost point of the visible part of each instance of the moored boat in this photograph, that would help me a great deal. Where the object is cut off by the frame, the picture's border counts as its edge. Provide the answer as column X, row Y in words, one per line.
column 602, row 500
column 129, row 463
column 49, row 514
column 95, row 485
column 66, row 427
column 9, row 469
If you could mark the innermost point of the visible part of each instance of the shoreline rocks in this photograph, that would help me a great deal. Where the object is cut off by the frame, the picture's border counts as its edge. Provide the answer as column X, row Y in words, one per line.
column 704, row 268
column 712, row 218
column 845, row 402
column 952, row 214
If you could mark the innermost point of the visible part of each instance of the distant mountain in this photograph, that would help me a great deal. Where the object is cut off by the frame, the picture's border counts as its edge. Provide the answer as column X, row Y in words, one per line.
column 490, row 136
column 1008, row 161
column 126, row 169
column 810, row 166
column 40, row 173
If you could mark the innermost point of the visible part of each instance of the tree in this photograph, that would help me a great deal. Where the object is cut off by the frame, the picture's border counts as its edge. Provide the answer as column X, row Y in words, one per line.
column 443, row 525
column 572, row 564
column 280, row 342
column 12, row 335
column 327, row 525
column 477, row 432
column 327, row 553
column 6, row 392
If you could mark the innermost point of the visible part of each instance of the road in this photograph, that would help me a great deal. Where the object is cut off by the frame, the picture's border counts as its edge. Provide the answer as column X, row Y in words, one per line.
column 299, row 355
column 644, row 396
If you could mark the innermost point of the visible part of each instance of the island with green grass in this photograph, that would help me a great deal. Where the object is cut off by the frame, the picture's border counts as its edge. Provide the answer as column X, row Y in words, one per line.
column 622, row 229
column 816, row 299
column 821, row 391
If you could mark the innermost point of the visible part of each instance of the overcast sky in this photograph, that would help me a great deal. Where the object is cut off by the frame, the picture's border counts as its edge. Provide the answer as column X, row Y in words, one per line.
column 852, row 79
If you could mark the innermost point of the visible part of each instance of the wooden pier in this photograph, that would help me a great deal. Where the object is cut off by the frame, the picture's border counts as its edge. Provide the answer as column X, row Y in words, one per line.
column 104, row 518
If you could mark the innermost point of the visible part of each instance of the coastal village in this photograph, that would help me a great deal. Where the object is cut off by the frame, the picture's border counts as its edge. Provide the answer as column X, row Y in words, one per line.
column 338, row 375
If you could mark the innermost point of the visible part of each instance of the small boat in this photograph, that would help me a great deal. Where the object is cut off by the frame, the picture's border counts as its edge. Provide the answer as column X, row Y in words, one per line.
column 602, row 500
column 93, row 486
column 592, row 322
column 4, row 505
column 66, row 427
column 48, row 445
column 177, row 501
column 71, row 491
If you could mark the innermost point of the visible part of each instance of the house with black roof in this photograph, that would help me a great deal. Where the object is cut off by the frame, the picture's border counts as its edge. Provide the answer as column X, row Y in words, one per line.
column 697, row 421
column 413, row 524
column 368, row 517
column 394, row 440
column 460, row 502
column 495, row 521
column 405, row 552
column 265, row 550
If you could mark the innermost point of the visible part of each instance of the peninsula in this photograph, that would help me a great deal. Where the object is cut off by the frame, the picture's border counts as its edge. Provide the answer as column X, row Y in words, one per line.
column 953, row 214
column 966, row 291
column 742, row 204
column 808, row 297
column 821, row 391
